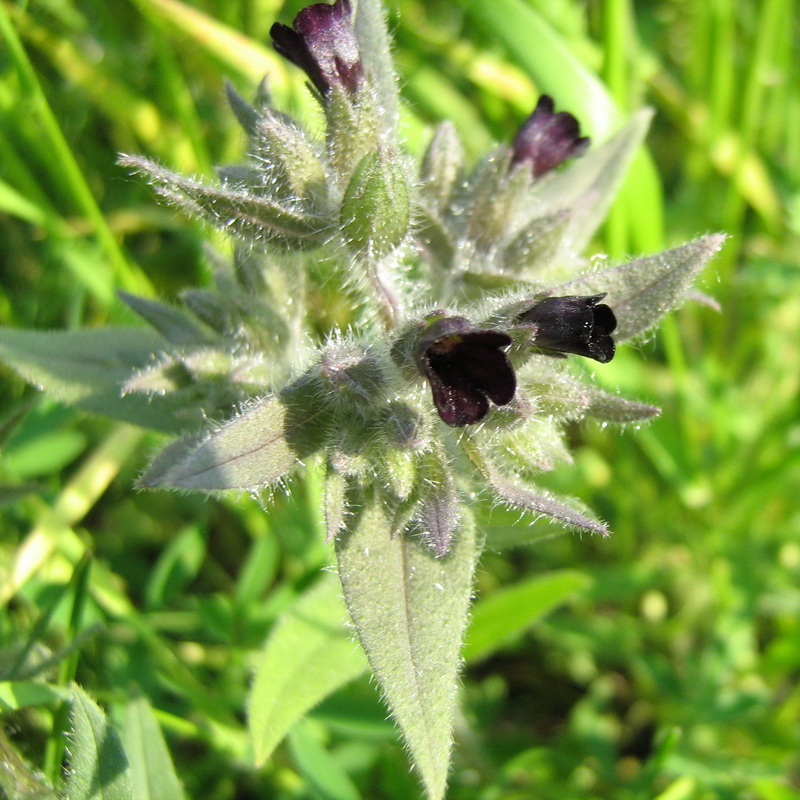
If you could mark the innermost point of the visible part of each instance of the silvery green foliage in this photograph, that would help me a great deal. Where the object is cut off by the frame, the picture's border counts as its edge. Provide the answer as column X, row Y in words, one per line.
column 407, row 326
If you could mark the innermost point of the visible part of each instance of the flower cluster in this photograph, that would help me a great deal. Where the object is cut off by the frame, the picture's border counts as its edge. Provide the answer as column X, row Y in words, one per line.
column 465, row 278
column 408, row 327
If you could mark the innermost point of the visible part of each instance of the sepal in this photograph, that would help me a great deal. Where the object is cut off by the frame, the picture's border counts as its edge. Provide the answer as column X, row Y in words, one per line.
column 497, row 195
column 210, row 307
column 541, row 503
column 375, row 46
column 335, row 502
column 438, row 514
column 288, row 161
column 536, row 244
column 355, row 379
column 441, row 168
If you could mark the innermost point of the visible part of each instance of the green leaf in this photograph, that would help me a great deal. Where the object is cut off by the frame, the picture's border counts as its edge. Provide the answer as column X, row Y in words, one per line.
column 513, row 609
column 410, row 610
column 87, row 369
column 644, row 290
column 325, row 776
column 43, row 455
column 152, row 771
column 251, row 450
column 309, row 654
column 235, row 212
column 99, row 768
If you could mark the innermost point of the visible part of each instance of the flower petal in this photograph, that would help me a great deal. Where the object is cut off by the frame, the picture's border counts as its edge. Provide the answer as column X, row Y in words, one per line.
column 458, row 402
column 578, row 325
column 322, row 42
column 547, row 139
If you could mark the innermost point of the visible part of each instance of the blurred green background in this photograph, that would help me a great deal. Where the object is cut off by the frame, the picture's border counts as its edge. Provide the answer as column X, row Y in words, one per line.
column 670, row 670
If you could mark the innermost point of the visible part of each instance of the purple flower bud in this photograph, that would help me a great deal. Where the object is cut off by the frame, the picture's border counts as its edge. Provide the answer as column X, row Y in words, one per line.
column 580, row 325
column 546, row 139
column 322, row 42
column 466, row 368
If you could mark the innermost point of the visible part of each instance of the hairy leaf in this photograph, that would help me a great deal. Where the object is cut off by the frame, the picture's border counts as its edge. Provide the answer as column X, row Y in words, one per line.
column 309, row 654
column 642, row 291
column 18, row 780
column 410, row 610
column 256, row 447
column 88, row 368
column 99, row 768
column 540, row 503
column 611, row 408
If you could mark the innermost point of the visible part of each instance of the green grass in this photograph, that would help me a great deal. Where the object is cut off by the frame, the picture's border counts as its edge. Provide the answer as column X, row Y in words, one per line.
column 671, row 672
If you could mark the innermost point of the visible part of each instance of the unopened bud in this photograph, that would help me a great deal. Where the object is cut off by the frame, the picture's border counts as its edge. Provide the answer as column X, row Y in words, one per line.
column 375, row 212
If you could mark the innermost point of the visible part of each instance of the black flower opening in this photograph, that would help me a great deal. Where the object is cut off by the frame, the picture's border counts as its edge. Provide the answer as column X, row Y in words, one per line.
column 580, row 325
column 547, row 139
column 322, row 42
column 466, row 368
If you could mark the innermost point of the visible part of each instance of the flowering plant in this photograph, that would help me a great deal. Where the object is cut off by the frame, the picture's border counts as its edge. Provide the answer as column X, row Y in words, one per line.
column 451, row 374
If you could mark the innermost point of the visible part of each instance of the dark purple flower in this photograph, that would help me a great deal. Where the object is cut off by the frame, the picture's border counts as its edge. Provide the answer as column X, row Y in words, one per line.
column 322, row 42
column 466, row 368
column 580, row 325
column 546, row 139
